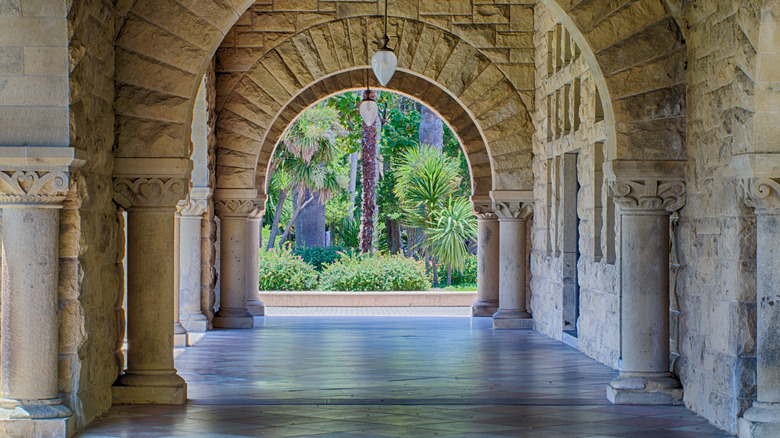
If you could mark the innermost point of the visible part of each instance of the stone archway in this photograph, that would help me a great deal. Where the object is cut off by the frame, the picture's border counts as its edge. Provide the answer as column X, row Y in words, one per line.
column 463, row 85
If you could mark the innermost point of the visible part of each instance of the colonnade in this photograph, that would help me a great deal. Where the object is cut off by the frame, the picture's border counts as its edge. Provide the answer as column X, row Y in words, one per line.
column 31, row 199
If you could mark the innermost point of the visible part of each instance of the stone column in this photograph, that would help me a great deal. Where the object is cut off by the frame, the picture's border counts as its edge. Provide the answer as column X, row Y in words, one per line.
column 487, row 257
column 762, row 420
column 644, row 208
column 513, row 209
column 233, row 206
column 192, row 318
column 31, row 199
column 180, row 335
column 150, row 202
column 253, row 302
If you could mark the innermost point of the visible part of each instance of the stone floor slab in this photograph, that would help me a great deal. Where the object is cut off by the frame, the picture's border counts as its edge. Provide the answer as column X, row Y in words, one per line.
column 358, row 376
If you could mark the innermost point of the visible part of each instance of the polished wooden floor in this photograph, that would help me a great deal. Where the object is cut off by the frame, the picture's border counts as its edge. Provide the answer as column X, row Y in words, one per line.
column 355, row 376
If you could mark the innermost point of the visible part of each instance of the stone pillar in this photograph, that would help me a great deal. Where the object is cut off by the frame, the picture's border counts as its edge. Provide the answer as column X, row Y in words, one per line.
column 644, row 208
column 150, row 201
column 190, row 269
column 253, row 302
column 31, row 199
column 180, row 335
column 762, row 420
column 233, row 206
column 487, row 257
column 513, row 209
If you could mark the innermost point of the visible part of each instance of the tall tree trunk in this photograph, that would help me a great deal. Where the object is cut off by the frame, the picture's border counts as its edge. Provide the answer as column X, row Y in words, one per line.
column 449, row 274
column 277, row 215
column 435, row 267
column 310, row 224
column 298, row 207
column 431, row 129
column 393, row 230
column 369, row 184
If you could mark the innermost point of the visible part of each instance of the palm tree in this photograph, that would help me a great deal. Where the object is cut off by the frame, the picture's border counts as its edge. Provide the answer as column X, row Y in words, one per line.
column 303, row 156
column 426, row 179
column 368, row 206
column 449, row 229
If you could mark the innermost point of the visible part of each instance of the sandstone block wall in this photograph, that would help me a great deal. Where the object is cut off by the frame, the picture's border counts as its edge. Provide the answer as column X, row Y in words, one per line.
column 716, row 235
column 91, row 231
column 574, row 233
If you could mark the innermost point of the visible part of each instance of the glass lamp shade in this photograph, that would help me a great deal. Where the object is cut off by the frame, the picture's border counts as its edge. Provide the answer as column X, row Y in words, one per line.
column 384, row 63
column 368, row 111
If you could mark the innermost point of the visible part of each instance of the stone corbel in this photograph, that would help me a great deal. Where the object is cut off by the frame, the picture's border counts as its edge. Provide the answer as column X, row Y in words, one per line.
column 482, row 206
column 36, row 175
column 513, row 204
column 151, row 182
column 758, row 181
column 647, row 186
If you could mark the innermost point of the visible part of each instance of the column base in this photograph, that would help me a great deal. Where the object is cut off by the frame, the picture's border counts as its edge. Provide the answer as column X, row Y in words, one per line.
column 762, row 420
column 149, row 387
column 180, row 338
column 40, row 418
column 484, row 308
column 233, row 318
column 255, row 307
column 512, row 320
column 195, row 323
column 645, row 389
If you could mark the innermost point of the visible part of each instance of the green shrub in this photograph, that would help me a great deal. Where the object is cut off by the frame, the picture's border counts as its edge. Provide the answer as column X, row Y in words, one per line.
column 375, row 273
column 319, row 257
column 282, row 270
column 466, row 276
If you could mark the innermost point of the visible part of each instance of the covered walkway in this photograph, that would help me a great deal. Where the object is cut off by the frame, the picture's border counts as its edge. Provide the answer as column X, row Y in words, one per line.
column 392, row 377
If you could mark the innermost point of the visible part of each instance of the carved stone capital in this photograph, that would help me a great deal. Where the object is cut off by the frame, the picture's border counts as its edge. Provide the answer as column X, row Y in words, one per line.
column 149, row 191
column 27, row 186
column 482, row 206
column 761, row 194
column 648, row 194
column 237, row 207
column 517, row 210
column 192, row 207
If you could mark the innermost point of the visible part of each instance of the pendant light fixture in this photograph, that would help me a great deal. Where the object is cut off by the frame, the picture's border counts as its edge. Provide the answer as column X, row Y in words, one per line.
column 368, row 108
column 384, row 61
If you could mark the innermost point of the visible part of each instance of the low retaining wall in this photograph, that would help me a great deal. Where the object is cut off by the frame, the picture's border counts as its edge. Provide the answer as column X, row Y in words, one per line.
column 367, row 299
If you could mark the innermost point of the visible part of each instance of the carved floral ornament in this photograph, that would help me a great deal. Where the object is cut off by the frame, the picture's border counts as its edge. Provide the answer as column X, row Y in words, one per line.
column 149, row 191
column 648, row 194
column 760, row 193
column 237, row 207
column 484, row 210
column 192, row 207
column 31, row 186
column 513, row 209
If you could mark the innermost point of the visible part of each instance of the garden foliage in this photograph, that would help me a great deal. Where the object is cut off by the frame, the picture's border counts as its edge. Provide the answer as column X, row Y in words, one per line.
column 375, row 273
column 282, row 270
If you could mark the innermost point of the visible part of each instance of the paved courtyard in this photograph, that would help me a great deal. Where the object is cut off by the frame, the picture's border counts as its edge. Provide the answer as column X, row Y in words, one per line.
column 330, row 376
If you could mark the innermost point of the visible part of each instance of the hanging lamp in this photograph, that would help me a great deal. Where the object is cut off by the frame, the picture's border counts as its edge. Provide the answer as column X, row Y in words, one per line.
column 384, row 61
column 368, row 108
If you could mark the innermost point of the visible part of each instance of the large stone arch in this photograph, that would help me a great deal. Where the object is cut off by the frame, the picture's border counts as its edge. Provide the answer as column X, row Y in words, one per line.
column 435, row 66
column 637, row 55
column 162, row 51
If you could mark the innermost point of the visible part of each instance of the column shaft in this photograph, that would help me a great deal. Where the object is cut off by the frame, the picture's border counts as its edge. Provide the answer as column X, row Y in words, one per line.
column 762, row 420
column 30, row 324
column 150, row 376
column 232, row 311
column 487, row 268
column 253, row 302
column 644, row 365
column 512, row 312
column 180, row 338
column 192, row 317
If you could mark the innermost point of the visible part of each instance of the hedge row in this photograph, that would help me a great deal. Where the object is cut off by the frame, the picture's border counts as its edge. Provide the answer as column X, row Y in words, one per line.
column 283, row 270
